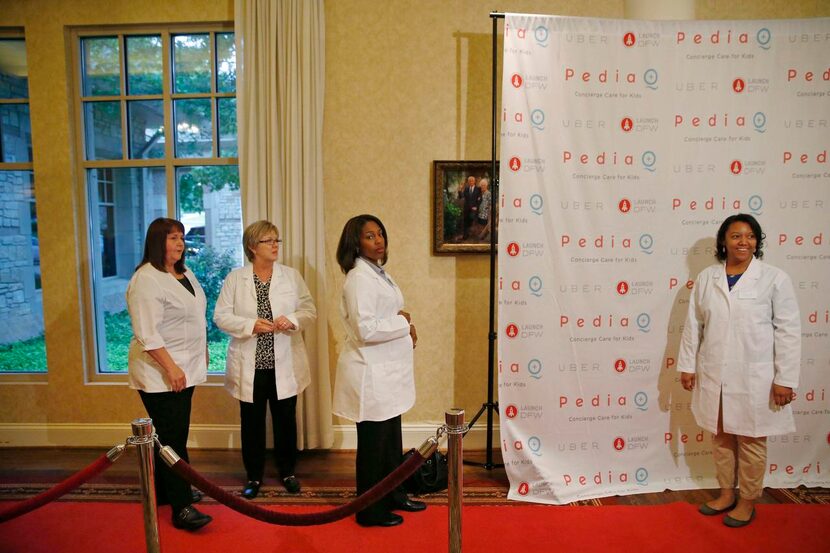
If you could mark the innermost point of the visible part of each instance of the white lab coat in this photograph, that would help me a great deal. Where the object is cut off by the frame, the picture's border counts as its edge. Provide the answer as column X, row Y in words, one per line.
column 375, row 377
column 739, row 343
column 165, row 314
column 236, row 314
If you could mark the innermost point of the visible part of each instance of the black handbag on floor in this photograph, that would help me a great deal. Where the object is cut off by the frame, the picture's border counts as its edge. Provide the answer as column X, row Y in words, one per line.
column 430, row 477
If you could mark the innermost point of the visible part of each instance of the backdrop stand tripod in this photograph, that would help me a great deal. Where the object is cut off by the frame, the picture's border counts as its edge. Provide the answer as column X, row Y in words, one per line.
column 490, row 406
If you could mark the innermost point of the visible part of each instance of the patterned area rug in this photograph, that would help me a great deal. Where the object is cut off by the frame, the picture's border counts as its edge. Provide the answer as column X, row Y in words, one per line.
column 337, row 495
column 317, row 495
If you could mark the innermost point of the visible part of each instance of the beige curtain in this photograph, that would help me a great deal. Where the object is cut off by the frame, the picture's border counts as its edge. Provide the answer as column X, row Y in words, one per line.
column 280, row 46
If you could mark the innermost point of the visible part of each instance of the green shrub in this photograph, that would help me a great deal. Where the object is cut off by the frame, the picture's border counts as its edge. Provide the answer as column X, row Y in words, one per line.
column 25, row 356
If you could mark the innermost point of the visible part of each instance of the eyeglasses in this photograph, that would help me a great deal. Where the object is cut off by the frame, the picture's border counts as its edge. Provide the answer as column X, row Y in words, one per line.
column 271, row 241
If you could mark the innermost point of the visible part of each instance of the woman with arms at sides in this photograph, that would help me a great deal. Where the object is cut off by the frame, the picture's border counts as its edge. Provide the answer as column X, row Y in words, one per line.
column 168, row 354
column 375, row 381
column 264, row 307
column 740, row 355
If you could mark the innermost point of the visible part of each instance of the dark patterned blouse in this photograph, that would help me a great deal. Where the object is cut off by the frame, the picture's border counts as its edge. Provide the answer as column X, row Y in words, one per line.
column 264, row 358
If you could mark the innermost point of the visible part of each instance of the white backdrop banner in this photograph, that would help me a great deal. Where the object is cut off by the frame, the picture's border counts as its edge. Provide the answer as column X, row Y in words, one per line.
column 624, row 145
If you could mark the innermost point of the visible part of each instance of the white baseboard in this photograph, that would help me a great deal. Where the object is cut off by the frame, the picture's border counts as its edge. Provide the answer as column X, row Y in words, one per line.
column 207, row 436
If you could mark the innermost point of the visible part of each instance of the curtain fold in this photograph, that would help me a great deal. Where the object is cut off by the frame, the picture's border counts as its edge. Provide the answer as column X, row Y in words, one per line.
column 280, row 47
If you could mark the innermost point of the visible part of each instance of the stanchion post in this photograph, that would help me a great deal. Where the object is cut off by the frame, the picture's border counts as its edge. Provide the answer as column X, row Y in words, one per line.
column 144, row 442
column 454, row 419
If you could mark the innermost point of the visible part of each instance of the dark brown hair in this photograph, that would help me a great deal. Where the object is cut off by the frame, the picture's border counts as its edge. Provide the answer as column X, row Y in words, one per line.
column 348, row 249
column 720, row 250
column 155, row 244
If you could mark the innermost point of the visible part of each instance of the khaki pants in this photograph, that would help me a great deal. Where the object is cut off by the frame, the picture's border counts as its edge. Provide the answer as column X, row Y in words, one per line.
column 740, row 458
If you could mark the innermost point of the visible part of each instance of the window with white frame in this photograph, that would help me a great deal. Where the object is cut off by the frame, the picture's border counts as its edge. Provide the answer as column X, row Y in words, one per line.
column 157, row 125
column 22, row 344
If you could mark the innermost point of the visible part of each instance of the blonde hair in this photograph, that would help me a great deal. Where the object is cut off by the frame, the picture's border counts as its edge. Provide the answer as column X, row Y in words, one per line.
column 254, row 233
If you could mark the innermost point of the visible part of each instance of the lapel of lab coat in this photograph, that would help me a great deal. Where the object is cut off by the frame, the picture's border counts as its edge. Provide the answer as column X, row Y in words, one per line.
column 250, row 288
column 363, row 266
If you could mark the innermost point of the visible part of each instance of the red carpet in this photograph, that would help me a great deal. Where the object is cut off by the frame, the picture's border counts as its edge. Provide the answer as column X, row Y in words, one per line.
column 117, row 528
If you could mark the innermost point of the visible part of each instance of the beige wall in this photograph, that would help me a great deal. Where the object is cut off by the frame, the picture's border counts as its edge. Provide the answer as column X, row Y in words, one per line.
column 407, row 82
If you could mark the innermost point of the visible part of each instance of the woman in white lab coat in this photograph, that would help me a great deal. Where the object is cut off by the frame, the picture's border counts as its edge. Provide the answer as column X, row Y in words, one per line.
column 740, row 355
column 375, row 382
column 168, row 354
column 264, row 307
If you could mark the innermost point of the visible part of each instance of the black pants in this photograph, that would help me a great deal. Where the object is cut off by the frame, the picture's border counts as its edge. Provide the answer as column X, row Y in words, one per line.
column 379, row 452
column 170, row 412
column 283, row 422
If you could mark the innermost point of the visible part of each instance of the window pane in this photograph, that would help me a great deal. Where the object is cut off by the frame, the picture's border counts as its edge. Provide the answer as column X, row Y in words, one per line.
column 225, row 63
column 15, row 133
column 102, row 126
column 191, row 63
column 22, row 347
column 14, row 70
column 210, row 208
column 122, row 204
column 144, row 66
column 101, row 71
column 146, row 129
column 194, row 132
column 227, row 127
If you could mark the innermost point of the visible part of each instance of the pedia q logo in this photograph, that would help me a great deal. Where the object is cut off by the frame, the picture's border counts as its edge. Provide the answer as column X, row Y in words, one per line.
column 541, row 34
column 641, row 476
column 534, row 368
column 755, row 203
column 641, row 401
column 646, row 244
column 537, row 119
column 534, row 444
column 535, row 285
column 764, row 37
column 649, row 159
column 759, row 121
column 644, row 322
column 650, row 78
column 536, row 203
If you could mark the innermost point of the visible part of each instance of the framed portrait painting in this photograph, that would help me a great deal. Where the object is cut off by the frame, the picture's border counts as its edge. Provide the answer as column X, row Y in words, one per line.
column 464, row 206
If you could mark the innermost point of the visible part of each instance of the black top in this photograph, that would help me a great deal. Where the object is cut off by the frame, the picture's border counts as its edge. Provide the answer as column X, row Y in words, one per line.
column 264, row 356
column 186, row 283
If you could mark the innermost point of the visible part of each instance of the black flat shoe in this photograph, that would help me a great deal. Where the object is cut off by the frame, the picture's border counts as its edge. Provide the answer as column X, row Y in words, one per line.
column 410, row 505
column 291, row 484
column 709, row 511
column 190, row 519
column 389, row 519
column 735, row 523
column 251, row 489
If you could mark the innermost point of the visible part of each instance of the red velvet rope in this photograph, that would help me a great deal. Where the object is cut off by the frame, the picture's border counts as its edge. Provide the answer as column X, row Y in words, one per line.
column 53, row 493
column 392, row 481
